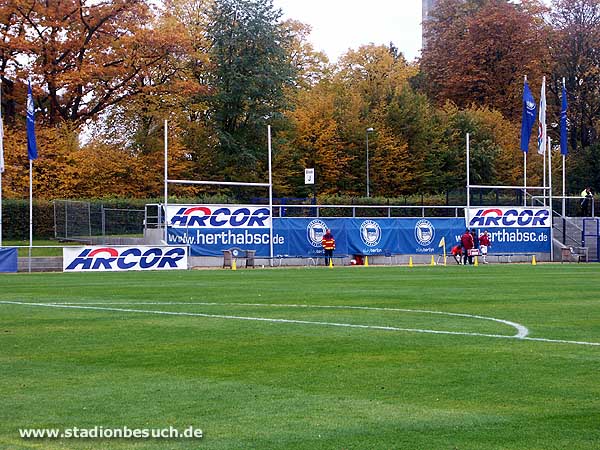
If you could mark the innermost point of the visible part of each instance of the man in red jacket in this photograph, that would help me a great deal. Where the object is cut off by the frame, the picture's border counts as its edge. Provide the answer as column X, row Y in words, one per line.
column 328, row 243
column 467, row 244
column 484, row 245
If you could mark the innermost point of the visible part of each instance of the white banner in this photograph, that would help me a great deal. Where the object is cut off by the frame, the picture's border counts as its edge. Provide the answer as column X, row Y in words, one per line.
column 309, row 176
column 507, row 217
column 122, row 258
column 218, row 216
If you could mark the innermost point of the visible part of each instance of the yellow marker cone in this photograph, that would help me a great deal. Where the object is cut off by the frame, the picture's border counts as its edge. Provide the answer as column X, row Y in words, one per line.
column 476, row 261
column 366, row 261
column 233, row 265
column 432, row 263
column 331, row 263
column 533, row 262
column 410, row 263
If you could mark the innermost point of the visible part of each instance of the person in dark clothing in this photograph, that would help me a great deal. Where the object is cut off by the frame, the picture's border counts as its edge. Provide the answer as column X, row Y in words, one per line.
column 475, row 238
column 467, row 244
column 587, row 197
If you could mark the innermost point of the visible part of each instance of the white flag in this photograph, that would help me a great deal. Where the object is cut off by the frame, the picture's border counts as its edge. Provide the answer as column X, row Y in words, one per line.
column 542, row 120
column 442, row 242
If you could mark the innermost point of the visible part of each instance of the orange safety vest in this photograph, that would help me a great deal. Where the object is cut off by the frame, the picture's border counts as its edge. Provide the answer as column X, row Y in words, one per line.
column 328, row 242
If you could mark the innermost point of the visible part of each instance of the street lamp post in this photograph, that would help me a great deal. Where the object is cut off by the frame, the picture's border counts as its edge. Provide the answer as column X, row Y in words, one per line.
column 369, row 130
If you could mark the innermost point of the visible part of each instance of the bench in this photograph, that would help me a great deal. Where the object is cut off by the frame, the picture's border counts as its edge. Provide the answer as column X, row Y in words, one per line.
column 301, row 260
column 244, row 256
column 573, row 254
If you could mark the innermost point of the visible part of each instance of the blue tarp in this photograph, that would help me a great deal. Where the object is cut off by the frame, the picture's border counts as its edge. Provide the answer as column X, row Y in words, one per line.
column 8, row 259
column 364, row 236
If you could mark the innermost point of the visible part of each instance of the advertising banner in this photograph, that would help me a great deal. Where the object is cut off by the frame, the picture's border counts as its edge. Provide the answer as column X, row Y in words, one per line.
column 518, row 240
column 513, row 229
column 211, row 229
column 121, row 258
column 8, row 260
column 508, row 217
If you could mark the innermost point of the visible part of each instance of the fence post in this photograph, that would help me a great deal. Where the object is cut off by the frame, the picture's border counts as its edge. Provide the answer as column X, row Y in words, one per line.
column 103, row 220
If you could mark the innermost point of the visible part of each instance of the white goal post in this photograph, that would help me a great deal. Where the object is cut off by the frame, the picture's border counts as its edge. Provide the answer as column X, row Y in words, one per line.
column 168, row 181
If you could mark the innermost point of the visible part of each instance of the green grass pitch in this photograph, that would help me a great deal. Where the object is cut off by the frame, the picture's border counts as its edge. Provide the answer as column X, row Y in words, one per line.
column 306, row 358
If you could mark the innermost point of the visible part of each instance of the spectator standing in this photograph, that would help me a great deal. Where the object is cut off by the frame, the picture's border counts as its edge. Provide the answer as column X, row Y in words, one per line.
column 328, row 243
column 467, row 244
column 484, row 245
column 587, row 197
column 475, row 238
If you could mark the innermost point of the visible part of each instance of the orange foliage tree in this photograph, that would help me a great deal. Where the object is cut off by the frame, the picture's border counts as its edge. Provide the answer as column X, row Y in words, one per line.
column 478, row 52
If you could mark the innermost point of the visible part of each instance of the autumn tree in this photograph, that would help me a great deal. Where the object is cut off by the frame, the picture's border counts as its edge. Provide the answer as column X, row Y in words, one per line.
column 249, row 72
column 477, row 52
column 314, row 142
column 575, row 53
column 82, row 56
column 392, row 175
column 411, row 116
column 311, row 66
column 367, row 81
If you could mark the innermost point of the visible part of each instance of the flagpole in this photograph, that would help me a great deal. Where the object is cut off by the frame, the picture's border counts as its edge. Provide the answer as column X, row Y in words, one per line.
column 166, row 188
column 550, row 198
column 1, row 158
column 524, row 159
column 270, row 155
column 563, row 142
column 542, row 134
column 30, row 210
column 544, row 181
column 468, row 179
column 32, row 154
column 524, row 179
column 0, row 208
column 563, row 185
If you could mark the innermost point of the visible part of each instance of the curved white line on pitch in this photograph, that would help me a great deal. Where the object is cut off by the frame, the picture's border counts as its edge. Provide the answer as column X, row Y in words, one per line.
column 346, row 325
column 521, row 330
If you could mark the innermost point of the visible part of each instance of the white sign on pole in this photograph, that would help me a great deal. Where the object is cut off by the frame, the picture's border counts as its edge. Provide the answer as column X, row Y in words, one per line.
column 309, row 176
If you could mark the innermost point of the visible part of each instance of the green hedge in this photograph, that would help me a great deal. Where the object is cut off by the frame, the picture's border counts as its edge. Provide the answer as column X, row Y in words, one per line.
column 15, row 219
column 15, row 216
column 15, row 213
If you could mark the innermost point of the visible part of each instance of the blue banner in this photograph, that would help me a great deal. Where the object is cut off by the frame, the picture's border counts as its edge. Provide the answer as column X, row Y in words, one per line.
column 528, row 118
column 301, row 237
column 8, row 260
column 519, row 240
column 31, row 142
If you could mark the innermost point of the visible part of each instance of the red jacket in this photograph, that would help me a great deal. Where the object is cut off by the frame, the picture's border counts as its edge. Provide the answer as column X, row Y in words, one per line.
column 467, row 241
column 328, row 242
column 484, row 239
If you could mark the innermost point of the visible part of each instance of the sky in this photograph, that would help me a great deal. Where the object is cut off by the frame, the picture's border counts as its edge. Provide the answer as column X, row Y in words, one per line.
column 338, row 25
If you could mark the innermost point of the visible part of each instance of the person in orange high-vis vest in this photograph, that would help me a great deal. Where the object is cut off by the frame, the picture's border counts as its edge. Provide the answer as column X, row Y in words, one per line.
column 328, row 243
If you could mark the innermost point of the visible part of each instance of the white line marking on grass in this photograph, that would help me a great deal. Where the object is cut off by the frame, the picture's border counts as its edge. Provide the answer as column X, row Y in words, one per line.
column 521, row 330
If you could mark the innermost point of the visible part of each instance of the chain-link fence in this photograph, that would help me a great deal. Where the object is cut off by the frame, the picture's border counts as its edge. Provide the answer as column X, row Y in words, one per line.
column 78, row 220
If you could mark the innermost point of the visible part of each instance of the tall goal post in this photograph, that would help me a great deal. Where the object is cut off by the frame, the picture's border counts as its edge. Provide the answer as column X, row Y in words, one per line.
column 220, row 183
column 547, row 190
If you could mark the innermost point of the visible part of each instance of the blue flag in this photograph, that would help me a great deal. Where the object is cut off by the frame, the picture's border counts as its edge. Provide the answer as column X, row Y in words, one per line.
column 529, row 110
column 563, row 123
column 31, row 144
